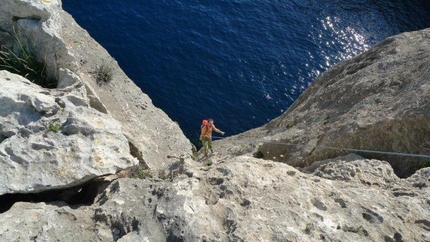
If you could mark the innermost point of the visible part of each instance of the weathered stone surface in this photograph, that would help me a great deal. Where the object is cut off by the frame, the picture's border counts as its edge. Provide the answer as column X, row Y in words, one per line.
column 378, row 100
column 128, row 207
column 53, row 139
column 70, row 54
column 49, row 222
column 244, row 199
column 124, row 211
column 12, row 11
column 354, row 169
column 147, row 127
column 250, row 200
column 36, row 24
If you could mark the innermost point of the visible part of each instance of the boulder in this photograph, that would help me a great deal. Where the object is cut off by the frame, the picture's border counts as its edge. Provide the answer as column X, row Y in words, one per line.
column 376, row 101
column 353, row 168
column 53, row 139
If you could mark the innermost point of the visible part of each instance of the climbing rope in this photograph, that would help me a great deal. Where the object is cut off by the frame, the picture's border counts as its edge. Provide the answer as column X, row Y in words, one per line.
column 350, row 149
column 342, row 149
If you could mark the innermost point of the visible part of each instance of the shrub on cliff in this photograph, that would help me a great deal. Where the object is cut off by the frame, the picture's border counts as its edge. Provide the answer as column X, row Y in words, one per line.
column 104, row 73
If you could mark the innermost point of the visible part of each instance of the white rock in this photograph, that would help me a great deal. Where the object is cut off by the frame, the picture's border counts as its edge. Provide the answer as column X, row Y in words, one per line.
column 34, row 157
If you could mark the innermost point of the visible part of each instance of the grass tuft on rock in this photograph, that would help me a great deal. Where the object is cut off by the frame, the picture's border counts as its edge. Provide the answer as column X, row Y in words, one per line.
column 144, row 174
column 22, row 60
column 54, row 128
column 104, row 74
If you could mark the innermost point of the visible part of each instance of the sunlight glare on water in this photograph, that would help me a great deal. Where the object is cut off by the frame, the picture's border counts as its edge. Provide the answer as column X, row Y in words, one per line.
column 347, row 39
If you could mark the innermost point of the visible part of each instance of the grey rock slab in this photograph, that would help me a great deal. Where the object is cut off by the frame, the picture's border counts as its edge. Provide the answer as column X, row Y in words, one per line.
column 247, row 199
column 240, row 199
column 47, row 146
column 48, row 222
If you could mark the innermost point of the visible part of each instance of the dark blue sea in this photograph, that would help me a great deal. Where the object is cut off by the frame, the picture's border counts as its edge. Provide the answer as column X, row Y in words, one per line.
column 240, row 62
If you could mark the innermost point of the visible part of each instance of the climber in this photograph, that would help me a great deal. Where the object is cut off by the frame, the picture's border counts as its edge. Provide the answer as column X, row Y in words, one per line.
column 206, row 135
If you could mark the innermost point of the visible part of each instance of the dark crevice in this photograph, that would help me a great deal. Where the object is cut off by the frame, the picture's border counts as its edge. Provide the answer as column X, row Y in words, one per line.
column 32, row 18
column 120, row 229
column 82, row 195
column 2, row 138
column 173, row 238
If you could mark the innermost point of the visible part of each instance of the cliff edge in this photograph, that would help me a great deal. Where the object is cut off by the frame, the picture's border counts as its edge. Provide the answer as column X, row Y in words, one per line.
column 64, row 150
column 71, row 56
column 375, row 103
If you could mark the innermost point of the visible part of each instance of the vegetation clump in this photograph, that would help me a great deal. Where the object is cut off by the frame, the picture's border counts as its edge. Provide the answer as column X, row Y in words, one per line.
column 162, row 175
column 327, row 119
column 144, row 174
column 104, row 74
column 54, row 128
column 291, row 124
column 22, row 60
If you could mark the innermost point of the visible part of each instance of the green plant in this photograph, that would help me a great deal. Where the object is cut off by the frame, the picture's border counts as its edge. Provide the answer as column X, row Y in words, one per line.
column 424, row 164
column 195, row 151
column 327, row 119
column 54, row 128
column 104, row 74
column 144, row 174
column 162, row 175
column 22, row 60
column 291, row 124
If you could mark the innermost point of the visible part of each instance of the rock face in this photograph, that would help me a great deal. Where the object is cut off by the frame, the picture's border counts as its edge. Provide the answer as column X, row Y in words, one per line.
column 376, row 101
column 242, row 199
column 71, row 56
column 52, row 139
column 60, row 149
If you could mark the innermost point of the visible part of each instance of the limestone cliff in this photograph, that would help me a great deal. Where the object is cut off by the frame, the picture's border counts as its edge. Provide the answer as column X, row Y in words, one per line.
column 59, row 148
column 377, row 101
column 72, row 56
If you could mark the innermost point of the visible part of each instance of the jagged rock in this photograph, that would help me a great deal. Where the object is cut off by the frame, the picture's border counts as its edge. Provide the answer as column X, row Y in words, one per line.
column 49, row 222
column 354, row 168
column 36, row 24
column 243, row 199
column 53, row 139
column 12, row 11
column 124, row 211
column 70, row 54
column 378, row 100
column 128, row 207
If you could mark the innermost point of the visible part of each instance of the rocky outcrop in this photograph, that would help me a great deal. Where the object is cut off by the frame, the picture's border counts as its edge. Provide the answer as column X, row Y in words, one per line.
column 376, row 101
column 60, row 149
column 242, row 199
column 52, row 139
column 71, row 55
